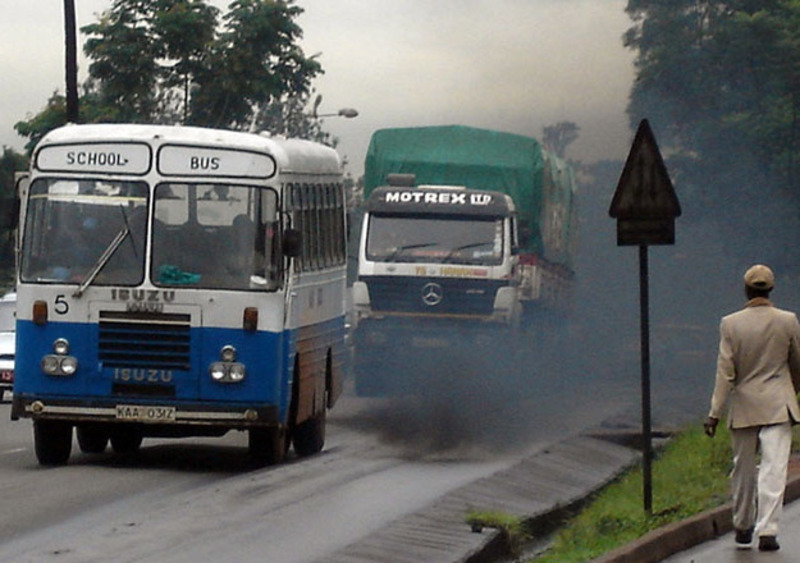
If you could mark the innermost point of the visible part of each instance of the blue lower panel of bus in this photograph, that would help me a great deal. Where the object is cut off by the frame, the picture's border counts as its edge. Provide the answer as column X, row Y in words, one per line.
column 140, row 364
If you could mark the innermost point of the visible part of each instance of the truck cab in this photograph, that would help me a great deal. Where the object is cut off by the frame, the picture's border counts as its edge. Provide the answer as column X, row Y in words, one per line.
column 437, row 268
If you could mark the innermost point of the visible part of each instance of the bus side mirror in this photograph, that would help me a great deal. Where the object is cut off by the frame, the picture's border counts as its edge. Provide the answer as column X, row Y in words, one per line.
column 291, row 243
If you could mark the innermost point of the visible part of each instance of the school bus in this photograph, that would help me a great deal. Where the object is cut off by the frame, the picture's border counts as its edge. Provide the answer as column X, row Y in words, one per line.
column 179, row 281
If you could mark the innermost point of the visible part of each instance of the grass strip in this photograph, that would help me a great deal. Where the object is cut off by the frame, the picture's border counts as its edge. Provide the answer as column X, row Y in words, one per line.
column 690, row 475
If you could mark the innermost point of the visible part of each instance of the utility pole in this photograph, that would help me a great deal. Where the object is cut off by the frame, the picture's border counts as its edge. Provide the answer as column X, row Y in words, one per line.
column 71, row 63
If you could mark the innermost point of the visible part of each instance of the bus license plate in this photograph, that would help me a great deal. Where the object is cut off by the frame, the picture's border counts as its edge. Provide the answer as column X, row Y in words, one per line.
column 146, row 413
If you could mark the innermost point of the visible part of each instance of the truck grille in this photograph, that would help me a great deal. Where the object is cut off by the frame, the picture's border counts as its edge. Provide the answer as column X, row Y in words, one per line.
column 146, row 340
column 455, row 296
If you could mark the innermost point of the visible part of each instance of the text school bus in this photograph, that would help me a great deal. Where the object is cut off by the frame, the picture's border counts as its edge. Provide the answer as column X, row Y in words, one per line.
column 178, row 281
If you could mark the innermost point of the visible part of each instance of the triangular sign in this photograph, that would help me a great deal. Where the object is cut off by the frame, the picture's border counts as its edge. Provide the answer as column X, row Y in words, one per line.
column 644, row 190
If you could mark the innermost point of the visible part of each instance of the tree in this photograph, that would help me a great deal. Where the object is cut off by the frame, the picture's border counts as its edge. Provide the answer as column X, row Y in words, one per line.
column 254, row 62
column 124, row 73
column 53, row 115
column 168, row 61
column 720, row 81
column 186, row 29
column 10, row 162
column 559, row 136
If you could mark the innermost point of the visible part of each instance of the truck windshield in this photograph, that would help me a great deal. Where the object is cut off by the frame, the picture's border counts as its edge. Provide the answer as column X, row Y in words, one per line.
column 215, row 236
column 69, row 224
column 460, row 240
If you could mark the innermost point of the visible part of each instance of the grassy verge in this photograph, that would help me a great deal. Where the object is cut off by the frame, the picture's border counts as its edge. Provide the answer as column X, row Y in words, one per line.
column 690, row 475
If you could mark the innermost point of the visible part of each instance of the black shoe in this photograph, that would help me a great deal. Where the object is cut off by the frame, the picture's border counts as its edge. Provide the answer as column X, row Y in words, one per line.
column 744, row 538
column 768, row 543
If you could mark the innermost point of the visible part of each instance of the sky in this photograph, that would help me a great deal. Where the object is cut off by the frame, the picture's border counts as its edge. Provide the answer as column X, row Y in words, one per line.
column 510, row 65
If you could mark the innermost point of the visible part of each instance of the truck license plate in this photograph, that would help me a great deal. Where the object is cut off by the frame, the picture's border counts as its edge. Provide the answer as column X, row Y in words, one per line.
column 146, row 413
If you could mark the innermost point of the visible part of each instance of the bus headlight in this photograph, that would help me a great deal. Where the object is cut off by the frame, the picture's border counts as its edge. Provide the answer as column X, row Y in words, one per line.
column 52, row 364
column 69, row 365
column 59, row 363
column 61, row 347
column 227, row 372
column 237, row 372
column 228, row 353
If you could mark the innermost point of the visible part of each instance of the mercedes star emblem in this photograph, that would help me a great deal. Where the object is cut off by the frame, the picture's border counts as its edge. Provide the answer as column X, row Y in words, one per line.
column 432, row 294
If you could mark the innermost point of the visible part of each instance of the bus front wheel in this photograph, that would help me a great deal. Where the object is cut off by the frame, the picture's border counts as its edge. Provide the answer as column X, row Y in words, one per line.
column 52, row 441
column 267, row 446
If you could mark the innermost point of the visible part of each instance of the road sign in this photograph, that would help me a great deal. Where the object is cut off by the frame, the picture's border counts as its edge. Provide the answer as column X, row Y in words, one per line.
column 645, row 206
column 644, row 203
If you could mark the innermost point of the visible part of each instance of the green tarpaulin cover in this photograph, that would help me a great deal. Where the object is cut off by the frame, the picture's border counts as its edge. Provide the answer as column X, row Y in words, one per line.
column 482, row 159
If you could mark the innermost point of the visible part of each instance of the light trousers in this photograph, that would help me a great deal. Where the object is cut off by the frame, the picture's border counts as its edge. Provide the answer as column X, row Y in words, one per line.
column 758, row 488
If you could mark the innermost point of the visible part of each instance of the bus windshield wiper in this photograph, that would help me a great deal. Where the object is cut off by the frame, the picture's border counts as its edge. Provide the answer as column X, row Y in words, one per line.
column 102, row 261
column 106, row 256
column 399, row 250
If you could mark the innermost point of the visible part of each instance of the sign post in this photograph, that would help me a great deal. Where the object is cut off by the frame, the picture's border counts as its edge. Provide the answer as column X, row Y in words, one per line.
column 645, row 206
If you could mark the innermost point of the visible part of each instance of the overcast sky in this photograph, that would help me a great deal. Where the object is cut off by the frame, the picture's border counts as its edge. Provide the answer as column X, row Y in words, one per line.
column 512, row 65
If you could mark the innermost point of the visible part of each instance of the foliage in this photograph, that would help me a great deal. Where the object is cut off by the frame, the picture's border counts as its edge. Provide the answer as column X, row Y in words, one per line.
column 558, row 137
column 10, row 162
column 54, row 115
column 254, row 61
column 512, row 527
column 720, row 81
column 175, row 61
column 689, row 476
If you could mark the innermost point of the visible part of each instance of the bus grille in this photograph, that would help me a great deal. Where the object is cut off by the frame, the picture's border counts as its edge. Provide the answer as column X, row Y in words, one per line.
column 145, row 340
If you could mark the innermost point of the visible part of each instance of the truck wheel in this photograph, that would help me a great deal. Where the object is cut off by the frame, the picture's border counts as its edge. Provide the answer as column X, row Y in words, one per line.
column 267, row 446
column 52, row 441
column 309, row 436
column 92, row 439
column 126, row 440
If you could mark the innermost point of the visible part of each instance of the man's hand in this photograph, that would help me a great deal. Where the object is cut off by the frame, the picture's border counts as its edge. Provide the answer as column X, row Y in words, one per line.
column 710, row 426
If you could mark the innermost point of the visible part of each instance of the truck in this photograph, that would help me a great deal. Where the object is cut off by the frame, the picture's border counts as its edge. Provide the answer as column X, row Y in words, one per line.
column 468, row 237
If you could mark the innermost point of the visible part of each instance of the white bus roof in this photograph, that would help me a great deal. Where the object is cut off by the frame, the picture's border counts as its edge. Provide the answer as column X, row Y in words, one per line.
column 289, row 154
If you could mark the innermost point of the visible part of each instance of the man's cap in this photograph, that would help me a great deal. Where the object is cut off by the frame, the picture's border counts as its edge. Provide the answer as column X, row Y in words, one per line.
column 759, row 277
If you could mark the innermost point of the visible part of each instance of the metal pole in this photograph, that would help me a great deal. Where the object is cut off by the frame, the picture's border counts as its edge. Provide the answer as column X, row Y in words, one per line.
column 647, row 448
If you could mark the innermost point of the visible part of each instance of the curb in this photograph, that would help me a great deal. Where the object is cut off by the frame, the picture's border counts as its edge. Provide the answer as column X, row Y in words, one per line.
column 664, row 542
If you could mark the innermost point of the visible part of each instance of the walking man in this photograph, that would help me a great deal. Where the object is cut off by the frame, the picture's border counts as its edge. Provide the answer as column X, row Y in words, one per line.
column 758, row 370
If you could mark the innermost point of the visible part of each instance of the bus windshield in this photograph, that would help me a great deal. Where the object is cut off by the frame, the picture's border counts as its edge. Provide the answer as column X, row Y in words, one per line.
column 215, row 236
column 70, row 224
column 462, row 240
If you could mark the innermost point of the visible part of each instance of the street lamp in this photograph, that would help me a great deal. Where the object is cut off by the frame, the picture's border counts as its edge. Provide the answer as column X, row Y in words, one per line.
column 348, row 113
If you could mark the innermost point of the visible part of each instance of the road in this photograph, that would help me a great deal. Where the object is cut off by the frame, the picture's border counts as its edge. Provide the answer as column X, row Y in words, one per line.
column 196, row 499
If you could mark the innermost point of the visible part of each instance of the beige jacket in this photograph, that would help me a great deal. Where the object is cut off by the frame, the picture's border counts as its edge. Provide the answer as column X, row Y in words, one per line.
column 758, row 367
